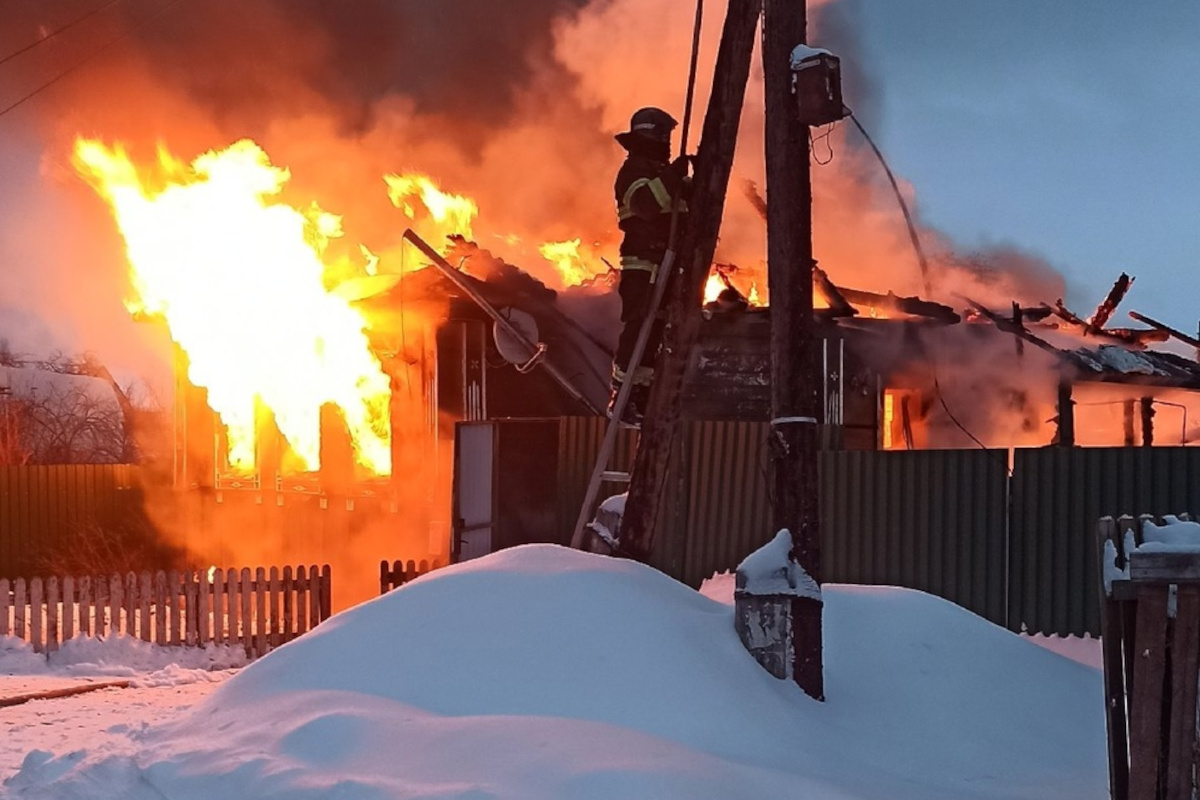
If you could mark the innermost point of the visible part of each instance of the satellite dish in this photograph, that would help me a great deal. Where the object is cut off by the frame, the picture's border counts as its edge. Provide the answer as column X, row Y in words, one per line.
column 512, row 349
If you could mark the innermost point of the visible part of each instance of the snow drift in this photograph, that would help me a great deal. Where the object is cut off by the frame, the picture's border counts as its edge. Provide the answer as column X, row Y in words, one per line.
column 542, row 672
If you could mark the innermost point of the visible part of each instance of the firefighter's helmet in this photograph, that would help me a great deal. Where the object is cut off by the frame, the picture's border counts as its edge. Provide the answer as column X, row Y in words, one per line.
column 652, row 123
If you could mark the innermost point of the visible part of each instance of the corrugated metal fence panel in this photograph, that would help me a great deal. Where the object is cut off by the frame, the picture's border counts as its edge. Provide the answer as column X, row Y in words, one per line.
column 931, row 520
column 42, row 507
column 579, row 440
column 1058, row 494
column 725, row 510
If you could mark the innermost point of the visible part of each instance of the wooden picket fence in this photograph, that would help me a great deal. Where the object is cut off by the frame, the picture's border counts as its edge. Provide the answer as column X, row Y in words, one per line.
column 400, row 572
column 1151, row 643
column 258, row 610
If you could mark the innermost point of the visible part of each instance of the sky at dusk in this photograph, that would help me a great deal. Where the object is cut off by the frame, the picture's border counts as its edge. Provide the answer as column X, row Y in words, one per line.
column 1067, row 129
column 1063, row 130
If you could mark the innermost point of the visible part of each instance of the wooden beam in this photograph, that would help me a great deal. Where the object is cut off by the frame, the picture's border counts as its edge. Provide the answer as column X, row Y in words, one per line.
column 714, row 163
column 1167, row 329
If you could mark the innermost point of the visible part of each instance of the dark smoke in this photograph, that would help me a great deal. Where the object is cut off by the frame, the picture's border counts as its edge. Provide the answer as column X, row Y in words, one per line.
column 252, row 60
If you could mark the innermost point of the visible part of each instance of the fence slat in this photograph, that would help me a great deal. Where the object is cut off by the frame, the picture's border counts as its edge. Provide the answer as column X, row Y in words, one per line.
column 131, row 604
column 145, row 598
column 314, row 596
column 85, row 606
column 51, row 614
column 191, row 607
column 5, row 604
column 19, row 609
column 233, row 589
column 218, row 605
column 1145, row 713
column 301, row 600
column 68, row 608
column 288, row 589
column 276, row 639
column 177, row 622
column 116, row 601
column 99, row 600
column 247, row 618
column 203, row 611
column 35, row 615
column 161, row 608
column 260, row 611
column 326, row 592
column 1185, row 659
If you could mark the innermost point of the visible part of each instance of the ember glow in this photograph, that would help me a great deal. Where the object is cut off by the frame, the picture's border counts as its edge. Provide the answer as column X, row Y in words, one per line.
column 238, row 277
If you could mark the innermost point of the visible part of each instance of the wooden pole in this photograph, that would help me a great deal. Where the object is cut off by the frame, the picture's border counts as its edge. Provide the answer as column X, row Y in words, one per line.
column 795, row 369
column 714, row 162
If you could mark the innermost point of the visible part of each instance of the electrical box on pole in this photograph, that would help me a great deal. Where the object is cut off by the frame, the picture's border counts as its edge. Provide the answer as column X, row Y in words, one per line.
column 817, row 85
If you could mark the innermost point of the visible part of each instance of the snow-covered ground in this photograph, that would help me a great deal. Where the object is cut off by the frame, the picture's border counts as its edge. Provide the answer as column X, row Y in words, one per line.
column 542, row 672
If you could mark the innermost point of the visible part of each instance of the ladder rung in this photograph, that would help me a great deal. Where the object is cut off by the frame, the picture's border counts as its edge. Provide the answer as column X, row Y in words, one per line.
column 615, row 476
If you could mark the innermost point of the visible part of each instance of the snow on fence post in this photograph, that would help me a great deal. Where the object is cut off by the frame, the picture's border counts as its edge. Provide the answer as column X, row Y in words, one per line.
column 767, row 584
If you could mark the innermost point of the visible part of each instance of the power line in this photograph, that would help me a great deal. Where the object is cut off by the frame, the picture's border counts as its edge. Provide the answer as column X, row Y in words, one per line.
column 54, row 33
column 924, row 264
column 87, row 59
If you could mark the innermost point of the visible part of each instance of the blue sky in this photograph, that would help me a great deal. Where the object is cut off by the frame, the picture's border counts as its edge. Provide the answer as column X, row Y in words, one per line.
column 1068, row 129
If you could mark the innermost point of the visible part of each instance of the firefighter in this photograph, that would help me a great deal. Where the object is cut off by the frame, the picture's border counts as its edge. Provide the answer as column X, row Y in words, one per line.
column 646, row 189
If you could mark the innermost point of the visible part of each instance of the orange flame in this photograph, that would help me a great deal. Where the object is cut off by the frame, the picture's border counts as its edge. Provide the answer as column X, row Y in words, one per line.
column 573, row 267
column 713, row 287
column 435, row 214
column 238, row 278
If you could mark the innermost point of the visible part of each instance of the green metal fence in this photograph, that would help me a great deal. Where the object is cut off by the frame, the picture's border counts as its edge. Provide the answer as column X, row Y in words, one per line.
column 44, row 507
column 1015, row 547
column 1058, row 494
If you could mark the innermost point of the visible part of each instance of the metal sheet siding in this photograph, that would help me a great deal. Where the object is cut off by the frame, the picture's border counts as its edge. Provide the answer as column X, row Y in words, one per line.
column 726, row 512
column 1058, row 495
column 579, row 440
column 928, row 520
column 43, row 507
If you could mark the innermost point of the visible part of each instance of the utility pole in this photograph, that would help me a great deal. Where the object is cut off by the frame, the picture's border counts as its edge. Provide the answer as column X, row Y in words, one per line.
column 698, row 243
column 795, row 368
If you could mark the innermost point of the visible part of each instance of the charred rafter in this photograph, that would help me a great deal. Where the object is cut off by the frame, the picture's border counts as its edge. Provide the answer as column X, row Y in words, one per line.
column 838, row 305
column 1115, row 295
column 893, row 303
column 1133, row 337
column 1165, row 329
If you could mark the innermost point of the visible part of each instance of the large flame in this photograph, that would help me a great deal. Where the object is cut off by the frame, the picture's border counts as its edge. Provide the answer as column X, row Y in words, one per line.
column 238, row 276
column 433, row 213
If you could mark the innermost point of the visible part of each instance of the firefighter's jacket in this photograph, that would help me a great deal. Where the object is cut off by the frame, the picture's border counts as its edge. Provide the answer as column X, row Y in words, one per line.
column 645, row 190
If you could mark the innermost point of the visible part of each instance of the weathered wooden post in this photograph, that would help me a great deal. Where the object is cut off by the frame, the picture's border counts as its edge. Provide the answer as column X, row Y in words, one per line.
column 769, row 585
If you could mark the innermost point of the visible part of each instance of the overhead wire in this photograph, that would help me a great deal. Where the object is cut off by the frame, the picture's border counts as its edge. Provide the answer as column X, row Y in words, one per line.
column 924, row 264
column 57, row 31
column 87, row 59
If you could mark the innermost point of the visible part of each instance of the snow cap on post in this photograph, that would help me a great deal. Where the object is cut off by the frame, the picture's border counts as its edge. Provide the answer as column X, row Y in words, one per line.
column 769, row 570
